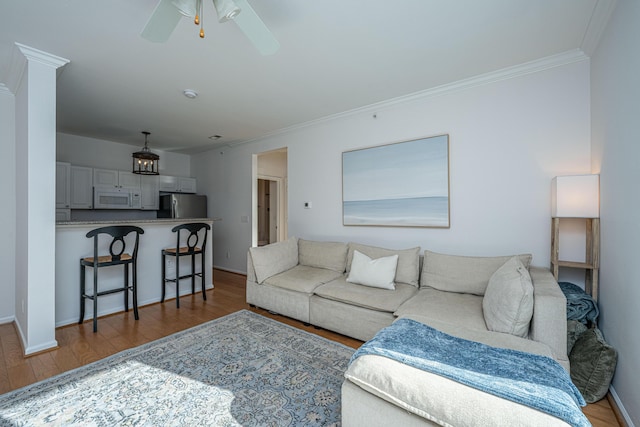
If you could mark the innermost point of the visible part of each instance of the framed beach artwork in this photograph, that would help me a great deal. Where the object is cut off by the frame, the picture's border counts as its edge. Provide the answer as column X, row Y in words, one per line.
column 405, row 184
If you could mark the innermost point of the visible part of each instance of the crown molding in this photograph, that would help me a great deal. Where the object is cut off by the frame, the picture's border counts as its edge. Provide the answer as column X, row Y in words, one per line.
column 4, row 89
column 21, row 56
column 558, row 60
column 602, row 12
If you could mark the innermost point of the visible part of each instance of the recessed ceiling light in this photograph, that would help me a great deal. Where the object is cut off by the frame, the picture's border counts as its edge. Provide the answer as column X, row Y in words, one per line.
column 215, row 137
column 190, row 93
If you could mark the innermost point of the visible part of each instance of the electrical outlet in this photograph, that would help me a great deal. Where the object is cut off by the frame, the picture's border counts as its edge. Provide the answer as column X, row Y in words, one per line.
column 307, row 205
column 22, row 306
column 228, row 255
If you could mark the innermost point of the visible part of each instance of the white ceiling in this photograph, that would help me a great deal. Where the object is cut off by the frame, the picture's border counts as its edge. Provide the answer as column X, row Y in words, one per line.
column 335, row 56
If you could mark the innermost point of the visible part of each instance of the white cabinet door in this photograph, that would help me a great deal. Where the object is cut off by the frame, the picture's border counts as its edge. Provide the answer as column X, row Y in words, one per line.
column 105, row 178
column 81, row 187
column 168, row 183
column 186, row 185
column 63, row 185
column 63, row 215
column 150, row 197
column 128, row 180
column 116, row 179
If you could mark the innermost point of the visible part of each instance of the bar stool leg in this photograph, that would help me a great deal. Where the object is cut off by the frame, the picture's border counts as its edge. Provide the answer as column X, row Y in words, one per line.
column 177, row 281
column 164, row 277
column 193, row 273
column 95, row 299
column 82, row 292
column 135, row 290
column 202, row 276
column 126, row 287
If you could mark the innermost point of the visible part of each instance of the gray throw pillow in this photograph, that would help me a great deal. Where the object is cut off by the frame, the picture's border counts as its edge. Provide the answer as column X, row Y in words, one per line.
column 274, row 258
column 593, row 363
column 507, row 305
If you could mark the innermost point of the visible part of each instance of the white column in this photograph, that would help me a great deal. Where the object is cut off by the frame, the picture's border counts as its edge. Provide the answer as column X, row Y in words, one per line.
column 7, row 210
column 33, row 82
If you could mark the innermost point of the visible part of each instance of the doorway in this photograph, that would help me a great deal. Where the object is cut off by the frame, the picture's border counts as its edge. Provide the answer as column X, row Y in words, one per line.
column 268, row 213
column 269, row 197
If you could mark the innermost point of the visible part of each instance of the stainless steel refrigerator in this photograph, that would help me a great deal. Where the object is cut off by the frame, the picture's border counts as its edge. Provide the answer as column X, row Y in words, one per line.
column 183, row 206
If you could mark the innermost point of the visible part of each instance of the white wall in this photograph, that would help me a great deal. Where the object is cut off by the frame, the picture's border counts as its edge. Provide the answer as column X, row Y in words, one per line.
column 508, row 139
column 98, row 153
column 8, row 208
column 616, row 153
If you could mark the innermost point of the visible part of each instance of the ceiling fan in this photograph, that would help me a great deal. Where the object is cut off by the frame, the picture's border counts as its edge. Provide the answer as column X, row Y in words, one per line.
column 168, row 13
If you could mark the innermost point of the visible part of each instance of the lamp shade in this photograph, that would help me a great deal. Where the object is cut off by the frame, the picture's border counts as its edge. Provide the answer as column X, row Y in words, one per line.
column 575, row 196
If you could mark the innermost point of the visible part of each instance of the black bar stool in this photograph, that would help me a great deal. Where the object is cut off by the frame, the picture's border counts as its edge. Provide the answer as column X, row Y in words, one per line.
column 192, row 249
column 117, row 256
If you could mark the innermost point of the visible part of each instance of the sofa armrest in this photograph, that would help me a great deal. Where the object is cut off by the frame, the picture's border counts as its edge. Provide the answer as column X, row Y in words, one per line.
column 251, row 272
column 549, row 322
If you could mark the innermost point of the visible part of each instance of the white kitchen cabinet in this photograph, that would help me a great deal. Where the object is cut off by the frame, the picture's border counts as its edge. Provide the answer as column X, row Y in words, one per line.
column 168, row 183
column 150, row 197
column 81, row 187
column 63, row 215
column 129, row 180
column 63, row 185
column 177, row 184
column 186, row 185
column 114, row 178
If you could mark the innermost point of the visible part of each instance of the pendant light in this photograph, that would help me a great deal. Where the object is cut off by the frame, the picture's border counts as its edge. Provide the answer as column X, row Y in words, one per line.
column 145, row 162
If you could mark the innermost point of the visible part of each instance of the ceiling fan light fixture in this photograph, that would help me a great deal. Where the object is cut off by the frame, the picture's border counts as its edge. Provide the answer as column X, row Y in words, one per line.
column 226, row 9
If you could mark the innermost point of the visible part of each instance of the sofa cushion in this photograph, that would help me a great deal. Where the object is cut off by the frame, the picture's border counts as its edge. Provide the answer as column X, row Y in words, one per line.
column 274, row 258
column 508, row 301
column 365, row 296
column 464, row 274
column 302, row 278
column 329, row 255
column 408, row 270
column 377, row 273
column 464, row 310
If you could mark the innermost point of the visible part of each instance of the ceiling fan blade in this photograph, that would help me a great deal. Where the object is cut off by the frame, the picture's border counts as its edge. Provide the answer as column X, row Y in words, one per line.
column 162, row 22
column 255, row 30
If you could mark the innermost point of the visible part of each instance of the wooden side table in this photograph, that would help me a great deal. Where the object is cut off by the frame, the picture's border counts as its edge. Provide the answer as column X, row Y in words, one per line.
column 591, row 264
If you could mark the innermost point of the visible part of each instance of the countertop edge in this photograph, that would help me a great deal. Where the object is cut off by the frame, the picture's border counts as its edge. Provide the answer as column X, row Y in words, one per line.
column 64, row 224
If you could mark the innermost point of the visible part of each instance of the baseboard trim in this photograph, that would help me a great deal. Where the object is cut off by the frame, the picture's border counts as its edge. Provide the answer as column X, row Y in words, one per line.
column 230, row 270
column 618, row 409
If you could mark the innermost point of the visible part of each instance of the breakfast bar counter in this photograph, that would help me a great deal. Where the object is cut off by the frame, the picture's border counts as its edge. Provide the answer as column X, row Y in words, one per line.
column 72, row 245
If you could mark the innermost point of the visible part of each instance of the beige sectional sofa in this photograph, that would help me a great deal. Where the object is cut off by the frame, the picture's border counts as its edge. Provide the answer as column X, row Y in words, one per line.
column 309, row 281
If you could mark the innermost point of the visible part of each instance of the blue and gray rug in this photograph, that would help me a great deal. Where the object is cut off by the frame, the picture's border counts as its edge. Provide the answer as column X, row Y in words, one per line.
column 241, row 369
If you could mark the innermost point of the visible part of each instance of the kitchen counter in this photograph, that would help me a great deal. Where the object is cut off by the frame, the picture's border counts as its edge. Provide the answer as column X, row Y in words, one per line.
column 72, row 244
column 106, row 223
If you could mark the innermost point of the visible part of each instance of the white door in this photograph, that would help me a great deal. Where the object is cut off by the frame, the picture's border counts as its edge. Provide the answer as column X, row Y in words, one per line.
column 274, row 201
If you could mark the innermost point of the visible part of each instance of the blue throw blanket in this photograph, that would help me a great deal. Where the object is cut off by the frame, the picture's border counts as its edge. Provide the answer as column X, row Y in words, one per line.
column 580, row 305
column 536, row 381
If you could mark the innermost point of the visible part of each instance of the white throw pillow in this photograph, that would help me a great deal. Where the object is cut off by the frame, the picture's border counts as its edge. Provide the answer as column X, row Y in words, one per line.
column 508, row 301
column 377, row 273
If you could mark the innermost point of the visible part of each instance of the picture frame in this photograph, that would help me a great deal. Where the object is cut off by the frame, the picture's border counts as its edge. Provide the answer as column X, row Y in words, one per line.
column 402, row 184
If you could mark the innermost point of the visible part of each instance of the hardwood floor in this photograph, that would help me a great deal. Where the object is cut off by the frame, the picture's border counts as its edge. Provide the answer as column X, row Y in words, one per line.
column 78, row 345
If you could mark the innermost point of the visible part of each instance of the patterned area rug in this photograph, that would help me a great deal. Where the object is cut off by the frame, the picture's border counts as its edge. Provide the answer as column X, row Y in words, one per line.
column 241, row 369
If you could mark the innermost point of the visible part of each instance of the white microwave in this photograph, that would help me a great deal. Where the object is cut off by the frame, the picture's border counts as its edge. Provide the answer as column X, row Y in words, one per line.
column 116, row 198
